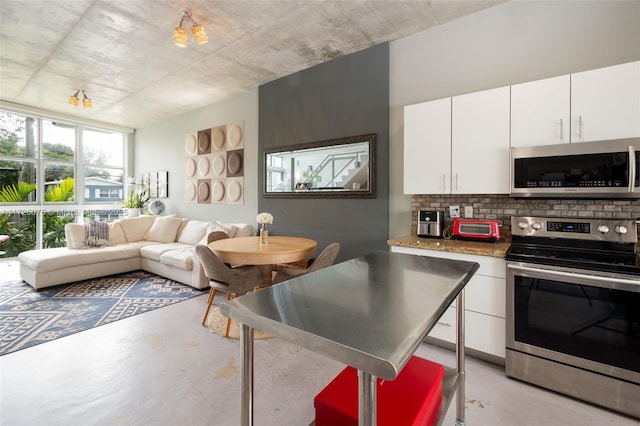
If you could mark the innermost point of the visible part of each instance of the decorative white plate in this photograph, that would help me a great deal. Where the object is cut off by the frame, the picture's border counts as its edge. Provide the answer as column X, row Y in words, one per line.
column 218, row 138
column 234, row 190
column 190, row 144
column 218, row 191
column 219, row 164
column 190, row 192
column 190, row 167
column 204, row 166
column 235, row 136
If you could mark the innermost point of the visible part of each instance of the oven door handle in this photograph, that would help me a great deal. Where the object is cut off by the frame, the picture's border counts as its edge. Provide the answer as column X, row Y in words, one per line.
column 573, row 275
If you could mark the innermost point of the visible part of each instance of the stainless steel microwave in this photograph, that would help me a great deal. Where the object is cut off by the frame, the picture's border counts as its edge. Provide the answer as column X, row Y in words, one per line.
column 604, row 169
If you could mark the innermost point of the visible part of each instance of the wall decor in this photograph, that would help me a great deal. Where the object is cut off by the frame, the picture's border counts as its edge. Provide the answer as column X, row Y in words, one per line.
column 343, row 167
column 214, row 165
column 156, row 184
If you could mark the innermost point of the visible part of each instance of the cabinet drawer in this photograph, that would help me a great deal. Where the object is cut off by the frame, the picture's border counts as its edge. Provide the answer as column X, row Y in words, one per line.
column 445, row 328
column 489, row 266
column 486, row 295
column 485, row 333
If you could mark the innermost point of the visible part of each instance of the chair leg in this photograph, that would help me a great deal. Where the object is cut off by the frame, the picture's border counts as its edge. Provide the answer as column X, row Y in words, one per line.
column 229, row 297
column 212, row 293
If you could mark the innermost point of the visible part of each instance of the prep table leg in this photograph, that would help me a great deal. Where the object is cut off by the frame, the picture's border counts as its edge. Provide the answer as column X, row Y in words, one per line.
column 246, row 375
column 460, row 359
column 367, row 407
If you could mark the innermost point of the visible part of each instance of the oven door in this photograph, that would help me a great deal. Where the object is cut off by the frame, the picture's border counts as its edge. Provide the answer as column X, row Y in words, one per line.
column 585, row 319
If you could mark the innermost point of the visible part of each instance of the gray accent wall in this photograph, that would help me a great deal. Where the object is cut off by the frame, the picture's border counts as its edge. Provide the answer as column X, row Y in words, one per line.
column 347, row 96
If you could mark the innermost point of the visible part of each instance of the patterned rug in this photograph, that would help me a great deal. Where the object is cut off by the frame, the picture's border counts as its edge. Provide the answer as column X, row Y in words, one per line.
column 29, row 317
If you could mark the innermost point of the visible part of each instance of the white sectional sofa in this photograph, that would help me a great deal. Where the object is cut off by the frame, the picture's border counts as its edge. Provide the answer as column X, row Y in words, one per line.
column 163, row 245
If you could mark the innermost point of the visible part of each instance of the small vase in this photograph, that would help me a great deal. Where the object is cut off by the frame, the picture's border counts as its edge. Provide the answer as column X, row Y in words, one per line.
column 264, row 233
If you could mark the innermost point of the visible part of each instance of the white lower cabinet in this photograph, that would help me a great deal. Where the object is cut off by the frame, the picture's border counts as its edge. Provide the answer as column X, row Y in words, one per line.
column 485, row 304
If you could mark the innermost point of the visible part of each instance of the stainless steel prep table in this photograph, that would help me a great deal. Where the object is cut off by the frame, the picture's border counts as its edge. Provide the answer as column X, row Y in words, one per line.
column 371, row 313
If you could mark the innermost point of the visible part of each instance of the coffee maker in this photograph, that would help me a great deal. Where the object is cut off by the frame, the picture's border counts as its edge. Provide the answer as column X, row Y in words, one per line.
column 430, row 223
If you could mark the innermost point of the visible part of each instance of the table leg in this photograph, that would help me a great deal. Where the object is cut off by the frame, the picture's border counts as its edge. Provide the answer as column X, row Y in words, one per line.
column 266, row 274
column 246, row 375
column 367, row 399
column 460, row 359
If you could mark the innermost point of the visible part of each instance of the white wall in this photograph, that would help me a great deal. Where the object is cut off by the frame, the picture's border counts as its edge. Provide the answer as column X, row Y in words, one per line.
column 511, row 43
column 161, row 147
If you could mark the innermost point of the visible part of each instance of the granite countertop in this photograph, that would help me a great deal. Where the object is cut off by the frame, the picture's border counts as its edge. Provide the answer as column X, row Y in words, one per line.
column 456, row 246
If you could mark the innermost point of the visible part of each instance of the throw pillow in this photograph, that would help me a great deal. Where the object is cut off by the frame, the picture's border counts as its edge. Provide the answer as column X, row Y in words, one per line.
column 74, row 234
column 135, row 228
column 116, row 234
column 227, row 228
column 192, row 232
column 164, row 229
column 96, row 234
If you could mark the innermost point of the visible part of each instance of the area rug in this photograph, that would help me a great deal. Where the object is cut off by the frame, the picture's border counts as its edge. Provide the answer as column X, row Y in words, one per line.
column 29, row 317
column 218, row 325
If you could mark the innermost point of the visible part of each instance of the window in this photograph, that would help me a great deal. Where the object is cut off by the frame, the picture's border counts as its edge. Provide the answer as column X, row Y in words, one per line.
column 43, row 163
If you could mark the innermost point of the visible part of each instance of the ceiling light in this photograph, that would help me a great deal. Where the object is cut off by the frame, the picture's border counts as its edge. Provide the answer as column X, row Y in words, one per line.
column 180, row 35
column 86, row 102
column 74, row 100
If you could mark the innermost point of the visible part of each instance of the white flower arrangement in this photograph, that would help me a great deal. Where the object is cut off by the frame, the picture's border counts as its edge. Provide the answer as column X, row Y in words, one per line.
column 265, row 218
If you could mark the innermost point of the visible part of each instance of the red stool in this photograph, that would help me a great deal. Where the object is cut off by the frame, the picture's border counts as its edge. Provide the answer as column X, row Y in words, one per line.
column 413, row 398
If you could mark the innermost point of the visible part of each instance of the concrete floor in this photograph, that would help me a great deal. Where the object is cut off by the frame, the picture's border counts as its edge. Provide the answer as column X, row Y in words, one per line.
column 164, row 368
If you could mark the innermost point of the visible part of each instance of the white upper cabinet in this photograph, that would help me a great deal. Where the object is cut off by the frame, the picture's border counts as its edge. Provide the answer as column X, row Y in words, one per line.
column 480, row 142
column 540, row 112
column 427, row 147
column 605, row 103
column 460, row 145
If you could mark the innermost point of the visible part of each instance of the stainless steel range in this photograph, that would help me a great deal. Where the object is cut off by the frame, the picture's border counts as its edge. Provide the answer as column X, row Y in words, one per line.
column 573, row 308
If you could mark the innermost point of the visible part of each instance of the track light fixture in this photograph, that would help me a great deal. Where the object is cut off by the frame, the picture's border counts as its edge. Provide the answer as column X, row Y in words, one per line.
column 74, row 100
column 180, row 35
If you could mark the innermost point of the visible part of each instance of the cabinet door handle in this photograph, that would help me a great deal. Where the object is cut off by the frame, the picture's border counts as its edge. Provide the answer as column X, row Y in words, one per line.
column 444, row 181
column 560, row 130
column 456, row 182
column 578, row 132
column 446, row 324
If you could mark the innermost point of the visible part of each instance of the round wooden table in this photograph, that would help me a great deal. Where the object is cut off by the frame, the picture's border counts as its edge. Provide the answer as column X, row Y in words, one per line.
column 250, row 251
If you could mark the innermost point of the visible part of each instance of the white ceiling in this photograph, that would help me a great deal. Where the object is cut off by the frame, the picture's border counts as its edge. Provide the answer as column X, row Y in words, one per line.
column 121, row 52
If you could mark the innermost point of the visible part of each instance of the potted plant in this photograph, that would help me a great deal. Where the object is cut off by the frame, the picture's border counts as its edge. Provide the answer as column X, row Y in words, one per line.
column 135, row 202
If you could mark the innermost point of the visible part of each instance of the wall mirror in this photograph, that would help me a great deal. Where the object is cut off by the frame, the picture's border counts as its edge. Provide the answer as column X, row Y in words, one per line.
column 342, row 167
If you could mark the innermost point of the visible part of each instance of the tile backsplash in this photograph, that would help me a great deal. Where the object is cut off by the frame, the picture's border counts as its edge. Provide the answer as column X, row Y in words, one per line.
column 501, row 207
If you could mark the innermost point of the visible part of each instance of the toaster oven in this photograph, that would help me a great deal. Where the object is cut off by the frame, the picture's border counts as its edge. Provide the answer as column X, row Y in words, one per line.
column 476, row 230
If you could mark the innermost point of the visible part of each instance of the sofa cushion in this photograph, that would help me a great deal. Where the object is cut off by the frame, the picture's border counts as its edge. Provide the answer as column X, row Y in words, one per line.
column 227, row 228
column 154, row 251
column 53, row 259
column 116, row 234
column 244, row 229
column 192, row 232
column 179, row 258
column 135, row 228
column 164, row 229
column 74, row 234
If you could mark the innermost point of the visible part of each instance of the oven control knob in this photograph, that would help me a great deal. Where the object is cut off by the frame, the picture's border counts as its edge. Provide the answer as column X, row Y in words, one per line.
column 621, row 229
column 536, row 225
column 522, row 225
column 603, row 229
